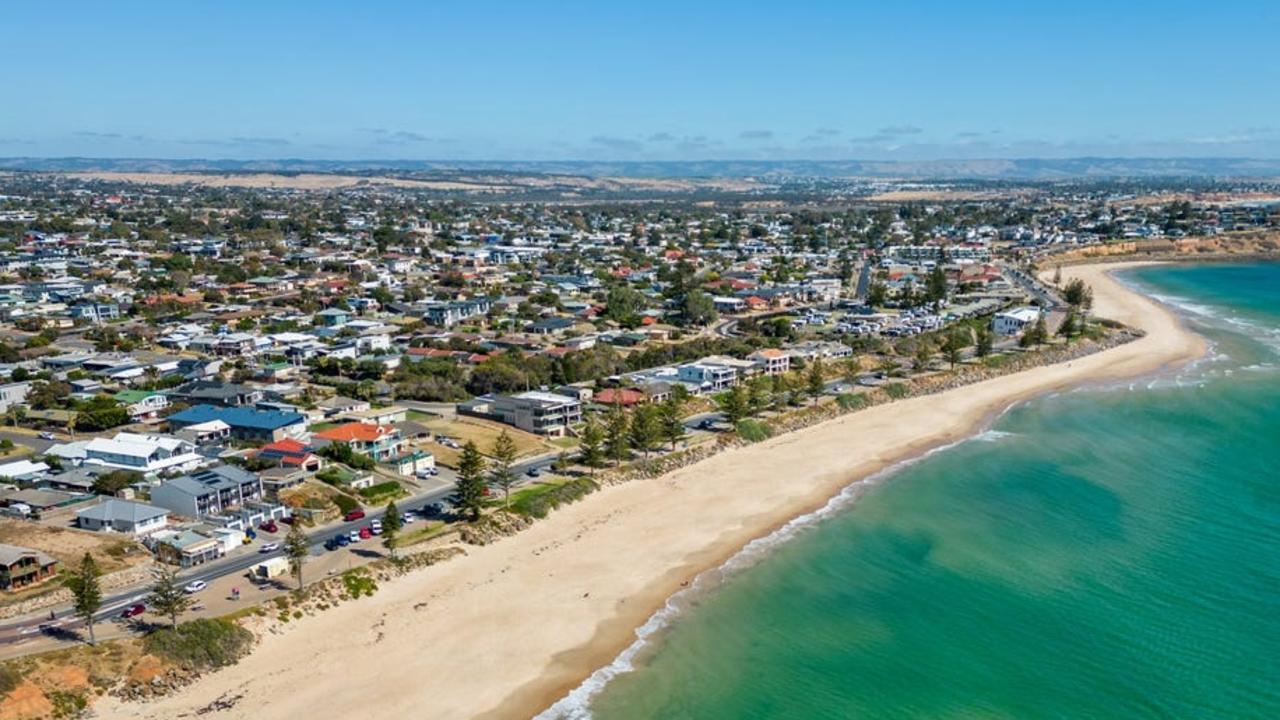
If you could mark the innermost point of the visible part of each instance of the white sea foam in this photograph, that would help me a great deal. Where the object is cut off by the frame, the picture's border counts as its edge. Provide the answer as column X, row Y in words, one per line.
column 993, row 436
column 577, row 704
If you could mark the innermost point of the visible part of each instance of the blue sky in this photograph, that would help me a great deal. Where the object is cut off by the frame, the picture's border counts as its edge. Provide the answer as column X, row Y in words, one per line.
column 641, row 80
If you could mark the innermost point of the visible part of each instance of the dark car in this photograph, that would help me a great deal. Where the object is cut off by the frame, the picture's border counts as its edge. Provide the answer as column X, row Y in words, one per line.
column 434, row 509
column 534, row 472
column 133, row 611
column 342, row 540
column 707, row 425
column 354, row 515
column 269, row 526
column 331, row 544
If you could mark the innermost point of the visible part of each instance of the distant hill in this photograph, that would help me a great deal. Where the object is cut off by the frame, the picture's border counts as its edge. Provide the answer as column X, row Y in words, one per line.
column 1022, row 169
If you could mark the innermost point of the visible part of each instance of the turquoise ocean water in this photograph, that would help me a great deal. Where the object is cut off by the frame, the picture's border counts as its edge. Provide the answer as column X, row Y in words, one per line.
column 1104, row 553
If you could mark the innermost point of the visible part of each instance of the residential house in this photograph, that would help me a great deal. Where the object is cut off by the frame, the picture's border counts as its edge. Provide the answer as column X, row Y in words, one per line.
column 186, row 548
column 772, row 361
column 452, row 313
column 339, row 405
column 245, row 423
column 22, row 567
column 212, row 491
column 213, row 392
column 146, row 454
column 13, row 394
column 143, row 404
column 291, row 453
column 389, row 415
column 706, row 378
column 123, row 516
column 380, row 442
column 538, row 412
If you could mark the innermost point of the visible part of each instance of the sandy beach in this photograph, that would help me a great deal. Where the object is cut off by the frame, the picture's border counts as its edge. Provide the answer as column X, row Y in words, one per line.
column 514, row 626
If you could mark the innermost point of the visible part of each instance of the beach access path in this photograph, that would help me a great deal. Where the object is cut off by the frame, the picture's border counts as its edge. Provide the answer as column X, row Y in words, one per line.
column 512, row 627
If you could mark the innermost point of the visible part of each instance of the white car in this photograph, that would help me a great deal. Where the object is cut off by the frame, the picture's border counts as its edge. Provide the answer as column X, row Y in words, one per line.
column 195, row 586
column 269, row 547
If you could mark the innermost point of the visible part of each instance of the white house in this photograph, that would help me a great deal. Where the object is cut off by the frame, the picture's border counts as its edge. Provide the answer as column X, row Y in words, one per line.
column 123, row 516
column 145, row 454
column 1012, row 322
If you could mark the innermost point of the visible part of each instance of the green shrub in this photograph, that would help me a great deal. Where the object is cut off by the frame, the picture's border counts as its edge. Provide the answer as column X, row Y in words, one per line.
column 897, row 391
column 201, row 645
column 358, row 583
column 754, row 431
column 345, row 503
column 849, row 401
column 537, row 502
column 9, row 679
column 67, row 704
column 391, row 487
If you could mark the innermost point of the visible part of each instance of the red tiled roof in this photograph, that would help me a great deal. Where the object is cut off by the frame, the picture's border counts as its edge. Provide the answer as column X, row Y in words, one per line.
column 354, row 431
column 287, row 445
column 625, row 397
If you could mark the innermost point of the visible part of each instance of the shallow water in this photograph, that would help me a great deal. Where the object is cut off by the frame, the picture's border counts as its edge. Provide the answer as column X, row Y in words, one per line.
column 1103, row 553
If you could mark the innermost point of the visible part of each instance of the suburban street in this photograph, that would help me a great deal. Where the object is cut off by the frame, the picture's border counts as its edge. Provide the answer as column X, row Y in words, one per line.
column 63, row 624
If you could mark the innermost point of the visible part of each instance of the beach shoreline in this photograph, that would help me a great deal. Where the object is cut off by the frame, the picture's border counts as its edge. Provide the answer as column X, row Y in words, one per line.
column 515, row 626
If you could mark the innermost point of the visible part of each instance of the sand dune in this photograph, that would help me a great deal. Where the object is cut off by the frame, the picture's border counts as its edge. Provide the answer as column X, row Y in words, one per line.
column 511, row 628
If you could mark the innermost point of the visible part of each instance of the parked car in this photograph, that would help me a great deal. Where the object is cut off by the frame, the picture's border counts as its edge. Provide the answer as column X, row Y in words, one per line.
column 434, row 509
column 332, row 544
column 406, row 518
column 354, row 515
column 353, row 536
column 342, row 540
column 133, row 611
column 269, row 526
column 376, row 527
column 269, row 547
column 365, row 533
column 195, row 586
column 289, row 520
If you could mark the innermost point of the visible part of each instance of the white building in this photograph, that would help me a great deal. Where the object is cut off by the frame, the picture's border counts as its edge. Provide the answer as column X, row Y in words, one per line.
column 1012, row 322
column 145, row 454
column 123, row 516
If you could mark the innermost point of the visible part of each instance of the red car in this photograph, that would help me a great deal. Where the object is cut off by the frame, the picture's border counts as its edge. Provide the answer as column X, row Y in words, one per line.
column 133, row 611
column 269, row 526
column 365, row 533
column 354, row 515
